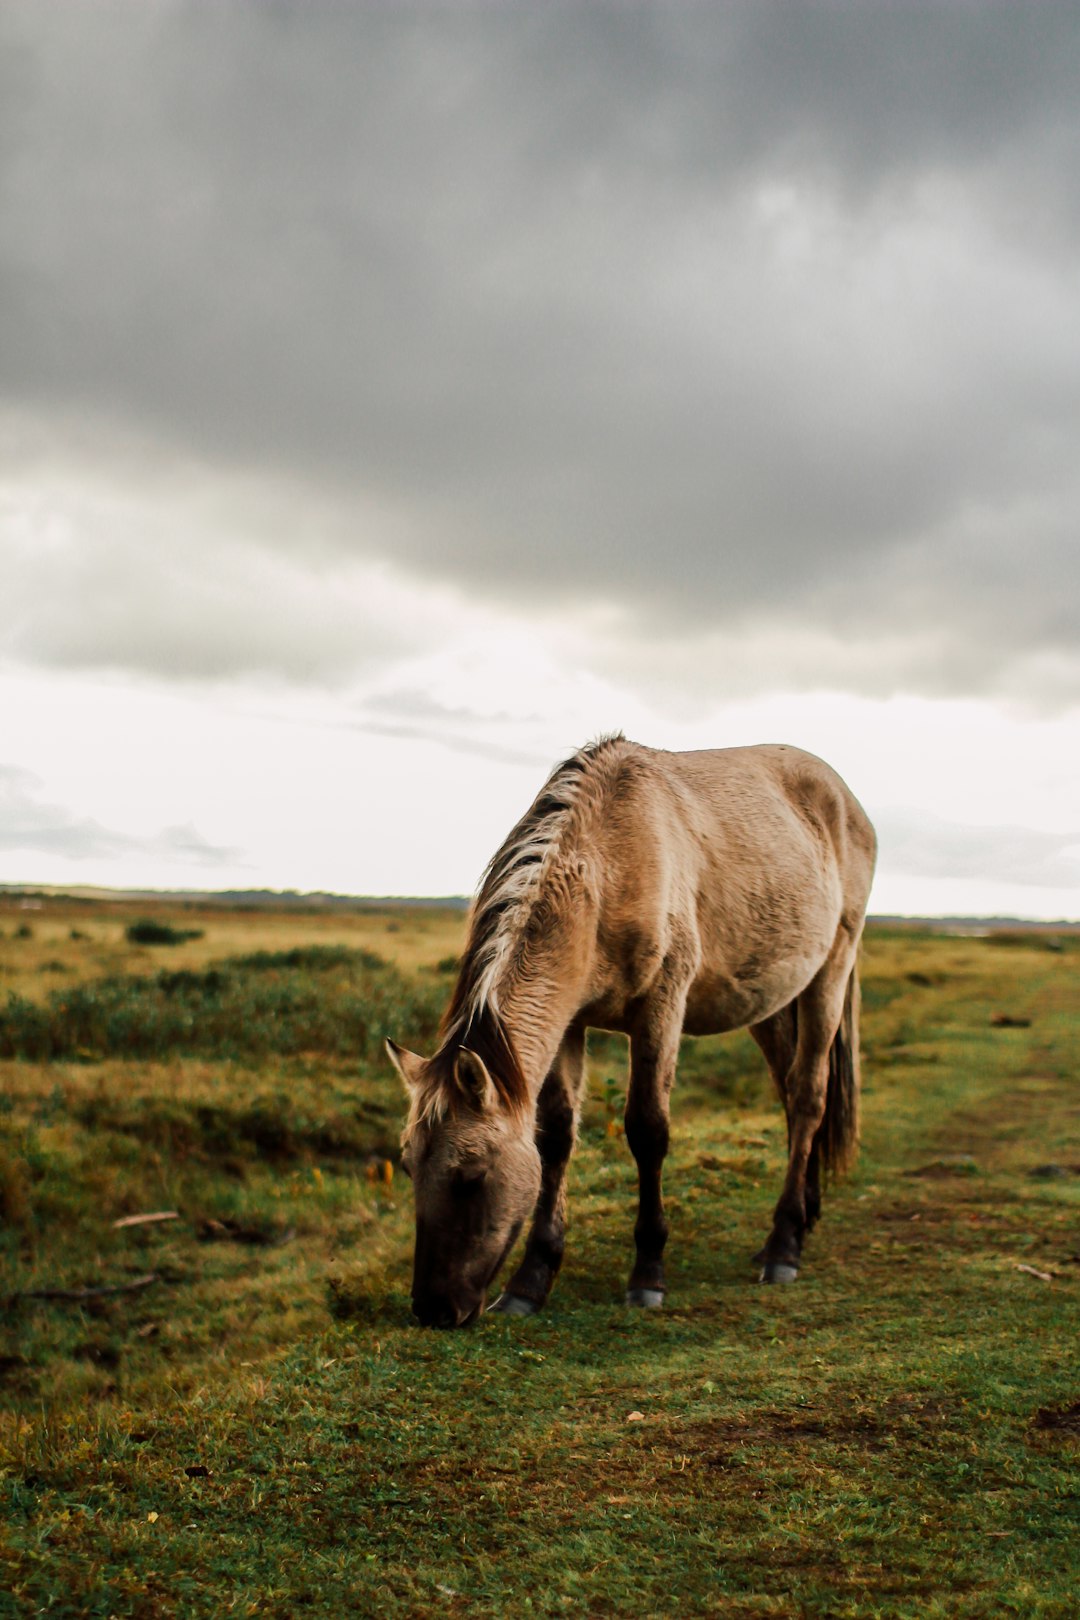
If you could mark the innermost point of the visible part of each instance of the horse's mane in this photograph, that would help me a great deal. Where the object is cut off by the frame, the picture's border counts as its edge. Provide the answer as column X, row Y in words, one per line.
column 509, row 889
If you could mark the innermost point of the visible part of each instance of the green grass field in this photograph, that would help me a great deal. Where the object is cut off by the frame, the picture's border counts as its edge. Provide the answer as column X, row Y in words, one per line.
column 250, row 1424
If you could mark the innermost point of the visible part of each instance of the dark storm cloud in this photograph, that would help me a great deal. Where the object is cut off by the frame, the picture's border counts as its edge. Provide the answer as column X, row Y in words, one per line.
column 707, row 313
column 28, row 824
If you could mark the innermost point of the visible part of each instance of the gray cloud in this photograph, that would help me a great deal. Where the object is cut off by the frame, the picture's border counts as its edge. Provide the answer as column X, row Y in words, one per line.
column 715, row 314
column 413, row 714
column 154, row 576
column 28, row 824
column 916, row 844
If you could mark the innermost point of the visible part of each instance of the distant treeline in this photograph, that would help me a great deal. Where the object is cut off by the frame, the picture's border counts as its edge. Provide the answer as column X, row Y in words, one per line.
column 245, row 899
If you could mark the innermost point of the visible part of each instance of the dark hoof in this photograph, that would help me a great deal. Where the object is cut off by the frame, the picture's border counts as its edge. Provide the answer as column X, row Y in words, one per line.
column 759, row 1258
column 778, row 1271
column 514, row 1305
column 650, row 1298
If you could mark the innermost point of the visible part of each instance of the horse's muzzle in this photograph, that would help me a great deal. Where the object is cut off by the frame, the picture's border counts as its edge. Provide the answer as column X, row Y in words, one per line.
column 439, row 1311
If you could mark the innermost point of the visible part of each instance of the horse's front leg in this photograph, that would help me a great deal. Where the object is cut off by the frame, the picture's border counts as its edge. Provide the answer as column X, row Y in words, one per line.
column 556, row 1132
column 653, row 1050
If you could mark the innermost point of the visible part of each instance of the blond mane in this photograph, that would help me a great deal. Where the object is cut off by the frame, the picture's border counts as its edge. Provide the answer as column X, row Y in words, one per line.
column 516, row 878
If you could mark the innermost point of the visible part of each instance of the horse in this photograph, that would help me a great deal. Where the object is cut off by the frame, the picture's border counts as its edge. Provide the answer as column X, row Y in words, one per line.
column 655, row 894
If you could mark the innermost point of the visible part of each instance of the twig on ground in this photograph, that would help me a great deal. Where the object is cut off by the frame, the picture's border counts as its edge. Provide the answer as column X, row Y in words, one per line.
column 146, row 1220
column 77, row 1295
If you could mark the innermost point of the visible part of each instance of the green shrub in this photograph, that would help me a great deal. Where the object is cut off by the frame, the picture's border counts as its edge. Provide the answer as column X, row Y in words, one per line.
column 275, row 1125
column 1029, row 939
column 148, row 932
column 315, row 958
column 336, row 1003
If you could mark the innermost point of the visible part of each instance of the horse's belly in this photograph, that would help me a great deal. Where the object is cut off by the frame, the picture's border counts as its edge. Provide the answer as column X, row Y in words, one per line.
column 718, row 1002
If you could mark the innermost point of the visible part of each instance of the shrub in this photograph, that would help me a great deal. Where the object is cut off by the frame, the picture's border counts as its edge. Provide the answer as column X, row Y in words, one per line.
column 315, row 958
column 148, row 932
column 1032, row 939
column 243, row 1007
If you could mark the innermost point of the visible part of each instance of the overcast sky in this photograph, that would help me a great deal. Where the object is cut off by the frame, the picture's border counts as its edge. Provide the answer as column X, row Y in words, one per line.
column 394, row 396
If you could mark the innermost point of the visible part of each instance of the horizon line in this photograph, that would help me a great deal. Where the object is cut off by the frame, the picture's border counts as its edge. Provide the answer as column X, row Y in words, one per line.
column 93, row 891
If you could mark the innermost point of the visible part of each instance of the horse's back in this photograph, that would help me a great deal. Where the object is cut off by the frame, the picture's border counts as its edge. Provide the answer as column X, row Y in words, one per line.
column 744, row 811
column 776, row 803
column 736, row 867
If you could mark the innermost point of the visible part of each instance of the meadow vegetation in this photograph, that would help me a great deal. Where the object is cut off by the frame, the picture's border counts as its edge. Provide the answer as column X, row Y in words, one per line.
column 228, row 1410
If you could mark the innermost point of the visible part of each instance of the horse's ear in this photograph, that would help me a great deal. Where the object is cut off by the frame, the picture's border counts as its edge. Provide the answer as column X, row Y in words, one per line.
column 474, row 1081
column 407, row 1064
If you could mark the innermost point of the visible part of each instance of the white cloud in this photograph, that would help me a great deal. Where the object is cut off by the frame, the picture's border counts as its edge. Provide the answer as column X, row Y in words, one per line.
column 45, row 833
column 918, row 844
column 298, row 789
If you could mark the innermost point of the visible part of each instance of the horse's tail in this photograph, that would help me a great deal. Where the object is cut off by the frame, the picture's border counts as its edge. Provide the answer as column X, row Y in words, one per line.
column 838, row 1134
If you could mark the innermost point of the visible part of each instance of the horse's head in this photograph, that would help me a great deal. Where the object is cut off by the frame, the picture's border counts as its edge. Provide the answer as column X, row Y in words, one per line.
column 476, row 1178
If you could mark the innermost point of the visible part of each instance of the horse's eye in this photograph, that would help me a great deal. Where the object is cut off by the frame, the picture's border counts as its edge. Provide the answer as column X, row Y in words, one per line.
column 470, row 1179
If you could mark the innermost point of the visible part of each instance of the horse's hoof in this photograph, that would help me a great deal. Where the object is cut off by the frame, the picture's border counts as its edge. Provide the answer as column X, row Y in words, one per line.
column 759, row 1258
column 650, row 1298
column 777, row 1271
column 514, row 1305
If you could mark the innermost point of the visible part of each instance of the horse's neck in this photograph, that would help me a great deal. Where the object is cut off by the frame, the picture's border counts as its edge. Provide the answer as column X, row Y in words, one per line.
column 536, row 1007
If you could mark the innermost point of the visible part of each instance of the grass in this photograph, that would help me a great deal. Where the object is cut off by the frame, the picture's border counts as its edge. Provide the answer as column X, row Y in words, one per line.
column 86, row 939
column 261, row 1430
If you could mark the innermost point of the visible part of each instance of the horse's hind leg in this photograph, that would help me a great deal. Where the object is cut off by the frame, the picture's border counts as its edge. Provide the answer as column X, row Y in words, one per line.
column 806, row 1091
column 556, row 1130
column 776, row 1037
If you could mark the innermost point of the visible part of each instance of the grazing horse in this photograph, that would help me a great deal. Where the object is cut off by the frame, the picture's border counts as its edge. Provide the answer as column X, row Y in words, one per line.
column 654, row 894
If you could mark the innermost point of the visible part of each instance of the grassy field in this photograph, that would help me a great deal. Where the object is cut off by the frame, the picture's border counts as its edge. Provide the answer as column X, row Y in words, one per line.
column 249, row 1424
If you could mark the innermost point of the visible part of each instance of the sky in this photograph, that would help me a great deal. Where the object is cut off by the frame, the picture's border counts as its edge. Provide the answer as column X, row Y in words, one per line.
column 394, row 397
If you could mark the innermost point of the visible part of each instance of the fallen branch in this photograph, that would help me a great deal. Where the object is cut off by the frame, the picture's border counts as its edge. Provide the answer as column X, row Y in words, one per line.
column 77, row 1295
column 146, row 1220
column 1033, row 1271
